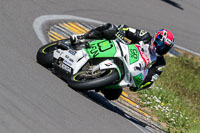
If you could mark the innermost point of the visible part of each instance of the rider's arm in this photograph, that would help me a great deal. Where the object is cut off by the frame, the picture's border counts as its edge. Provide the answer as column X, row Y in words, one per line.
column 106, row 31
column 154, row 72
column 109, row 30
column 136, row 35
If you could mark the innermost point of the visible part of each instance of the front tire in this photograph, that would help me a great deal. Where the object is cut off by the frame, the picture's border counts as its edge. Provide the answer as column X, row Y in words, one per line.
column 80, row 83
column 45, row 54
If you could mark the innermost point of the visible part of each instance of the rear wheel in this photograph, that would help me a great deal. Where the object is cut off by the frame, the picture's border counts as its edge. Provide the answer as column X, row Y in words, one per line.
column 86, row 80
column 45, row 54
column 112, row 94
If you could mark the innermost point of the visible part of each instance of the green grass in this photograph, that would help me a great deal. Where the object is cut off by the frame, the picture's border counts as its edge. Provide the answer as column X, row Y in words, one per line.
column 175, row 96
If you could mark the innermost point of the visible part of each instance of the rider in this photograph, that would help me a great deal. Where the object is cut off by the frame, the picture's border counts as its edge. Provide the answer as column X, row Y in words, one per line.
column 161, row 42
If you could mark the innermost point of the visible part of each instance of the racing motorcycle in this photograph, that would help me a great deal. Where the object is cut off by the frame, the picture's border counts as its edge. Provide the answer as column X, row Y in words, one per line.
column 105, row 65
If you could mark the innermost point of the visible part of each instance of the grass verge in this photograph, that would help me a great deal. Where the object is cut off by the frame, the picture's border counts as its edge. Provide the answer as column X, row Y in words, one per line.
column 175, row 96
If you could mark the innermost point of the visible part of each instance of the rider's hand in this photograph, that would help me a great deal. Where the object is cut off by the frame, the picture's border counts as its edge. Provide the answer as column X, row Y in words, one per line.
column 76, row 38
column 121, row 33
column 73, row 39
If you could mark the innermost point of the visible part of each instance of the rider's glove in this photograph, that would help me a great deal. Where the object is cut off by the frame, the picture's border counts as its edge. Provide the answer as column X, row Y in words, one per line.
column 76, row 38
column 121, row 33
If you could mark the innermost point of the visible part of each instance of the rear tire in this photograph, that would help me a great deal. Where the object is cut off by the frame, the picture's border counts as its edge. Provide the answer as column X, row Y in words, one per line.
column 109, row 77
column 45, row 54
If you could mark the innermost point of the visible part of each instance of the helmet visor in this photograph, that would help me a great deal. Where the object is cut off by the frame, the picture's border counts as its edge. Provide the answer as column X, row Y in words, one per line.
column 159, row 41
column 161, row 47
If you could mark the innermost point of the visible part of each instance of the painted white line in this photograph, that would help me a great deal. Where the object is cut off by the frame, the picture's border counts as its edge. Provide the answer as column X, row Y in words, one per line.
column 187, row 50
column 40, row 21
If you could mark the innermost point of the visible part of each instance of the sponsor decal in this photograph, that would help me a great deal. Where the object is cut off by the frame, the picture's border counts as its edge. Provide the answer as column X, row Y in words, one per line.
column 66, row 67
column 142, row 32
column 144, row 57
column 138, row 79
column 154, row 77
column 58, row 51
column 70, row 59
column 134, row 54
column 108, row 64
column 72, row 52
column 138, row 67
column 66, row 62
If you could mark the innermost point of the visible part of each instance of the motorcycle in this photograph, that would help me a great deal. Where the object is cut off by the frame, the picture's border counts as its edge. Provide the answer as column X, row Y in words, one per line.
column 105, row 65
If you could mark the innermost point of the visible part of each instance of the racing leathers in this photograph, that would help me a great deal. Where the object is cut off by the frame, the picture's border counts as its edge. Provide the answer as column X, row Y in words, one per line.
column 109, row 31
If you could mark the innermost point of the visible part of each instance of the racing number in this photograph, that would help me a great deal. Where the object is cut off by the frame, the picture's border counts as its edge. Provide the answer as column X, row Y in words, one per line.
column 94, row 51
column 138, row 79
column 101, row 47
column 133, row 53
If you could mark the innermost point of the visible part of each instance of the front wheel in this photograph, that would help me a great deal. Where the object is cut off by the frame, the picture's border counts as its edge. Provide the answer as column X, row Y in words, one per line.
column 45, row 54
column 85, row 80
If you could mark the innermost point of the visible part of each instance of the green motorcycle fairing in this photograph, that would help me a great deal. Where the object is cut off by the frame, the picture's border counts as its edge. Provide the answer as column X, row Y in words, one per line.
column 107, row 48
column 101, row 48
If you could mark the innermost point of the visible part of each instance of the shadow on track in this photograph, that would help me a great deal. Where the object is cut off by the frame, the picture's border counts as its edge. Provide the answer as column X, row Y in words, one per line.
column 95, row 97
column 106, row 103
column 102, row 101
column 173, row 4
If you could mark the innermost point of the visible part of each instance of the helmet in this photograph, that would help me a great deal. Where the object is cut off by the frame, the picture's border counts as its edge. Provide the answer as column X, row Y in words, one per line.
column 163, row 41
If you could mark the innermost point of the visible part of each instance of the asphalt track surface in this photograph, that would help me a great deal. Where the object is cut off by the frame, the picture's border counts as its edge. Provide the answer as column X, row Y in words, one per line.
column 33, row 100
